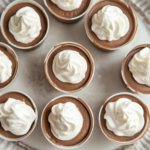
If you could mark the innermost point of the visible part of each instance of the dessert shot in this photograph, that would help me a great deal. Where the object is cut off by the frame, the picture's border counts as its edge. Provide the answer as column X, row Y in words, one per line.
column 68, row 11
column 69, row 67
column 124, row 118
column 18, row 115
column 111, row 24
column 8, row 65
column 24, row 24
column 135, row 69
column 67, row 122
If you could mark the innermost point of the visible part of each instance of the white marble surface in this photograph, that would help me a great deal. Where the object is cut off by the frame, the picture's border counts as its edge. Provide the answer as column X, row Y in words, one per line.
column 106, row 81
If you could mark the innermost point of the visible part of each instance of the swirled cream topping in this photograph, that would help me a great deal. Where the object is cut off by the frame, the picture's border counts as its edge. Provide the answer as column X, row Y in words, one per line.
column 68, row 5
column 69, row 66
column 66, row 121
column 139, row 66
column 16, row 116
column 124, row 117
column 110, row 23
column 5, row 67
column 25, row 25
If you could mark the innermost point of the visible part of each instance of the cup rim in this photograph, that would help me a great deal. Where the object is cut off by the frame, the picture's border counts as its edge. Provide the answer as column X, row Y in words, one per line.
column 14, row 76
column 84, row 50
column 144, row 130
column 34, row 124
column 90, row 114
column 122, row 70
column 68, row 19
column 115, row 48
column 24, row 1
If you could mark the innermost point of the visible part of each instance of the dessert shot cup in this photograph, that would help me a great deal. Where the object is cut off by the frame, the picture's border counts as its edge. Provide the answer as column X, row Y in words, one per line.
column 145, row 128
column 87, row 54
column 89, row 133
column 32, row 126
column 143, row 89
column 13, row 53
column 88, row 23
column 65, row 19
column 2, row 26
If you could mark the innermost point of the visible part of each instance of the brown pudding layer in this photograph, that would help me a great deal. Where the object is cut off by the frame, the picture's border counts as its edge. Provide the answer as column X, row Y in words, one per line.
column 105, row 44
column 109, row 133
column 12, row 11
column 68, row 86
column 68, row 14
column 86, row 122
column 20, row 97
column 11, row 58
column 130, row 81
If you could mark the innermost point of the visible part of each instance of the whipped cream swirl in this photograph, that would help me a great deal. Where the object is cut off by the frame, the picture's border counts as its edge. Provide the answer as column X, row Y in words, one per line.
column 68, row 5
column 69, row 66
column 5, row 67
column 66, row 121
column 16, row 116
column 110, row 23
column 139, row 66
column 124, row 117
column 25, row 25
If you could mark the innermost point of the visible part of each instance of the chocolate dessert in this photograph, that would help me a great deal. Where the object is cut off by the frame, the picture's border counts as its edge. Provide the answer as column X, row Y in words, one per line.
column 110, row 45
column 21, row 97
column 68, row 14
column 11, row 12
column 68, row 86
column 127, row 75
column 87, row 122
column 10, row 54
column 109, row 133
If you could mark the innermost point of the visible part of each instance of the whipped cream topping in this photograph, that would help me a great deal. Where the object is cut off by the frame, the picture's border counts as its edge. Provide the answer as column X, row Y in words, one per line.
column 16, row 116
column 110, row 23
column 69, row 66
column 25, row 25
column 5, row 67
column 68, row 5
column 124, row 117
column 139, row 66
column 66, row 121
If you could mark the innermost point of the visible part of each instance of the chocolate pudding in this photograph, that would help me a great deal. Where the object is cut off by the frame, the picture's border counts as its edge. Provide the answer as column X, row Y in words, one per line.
column 14, row 61
column 21, row 97
column 110, row 45
column 87, row 122
column 127, row 75
column 68, row 86
column 109, row 133
column 11, row 12
column 68, row 14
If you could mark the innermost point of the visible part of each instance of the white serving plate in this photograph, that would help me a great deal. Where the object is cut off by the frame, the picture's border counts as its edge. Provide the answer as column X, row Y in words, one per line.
column 107, row 79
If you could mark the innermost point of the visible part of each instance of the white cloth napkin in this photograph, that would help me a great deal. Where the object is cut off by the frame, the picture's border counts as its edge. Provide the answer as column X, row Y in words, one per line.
column 5, row 145
column 143, row 7
column 3, row 4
